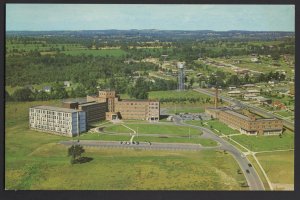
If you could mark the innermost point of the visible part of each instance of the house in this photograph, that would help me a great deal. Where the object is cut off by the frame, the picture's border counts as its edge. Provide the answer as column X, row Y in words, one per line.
column 234, row 93
column 67, row 83
column 29, row 87
column 232, row 87
column 253, row 92
column 240, row 71
column 250, row 96
column 199, row 74
column 278, row 104
column 47, row 88
column 254, row 59
column 263, row 100
column 249, row 86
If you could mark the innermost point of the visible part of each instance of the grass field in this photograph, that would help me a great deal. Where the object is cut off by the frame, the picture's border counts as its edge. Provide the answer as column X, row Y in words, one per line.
column 279, row 166
column 259, row 172
column 100, row 52
column 284, row 113
column 164, row 129
column 34, row 160
column 118, row 129
column 176, row 94
column 266, row 143
column 215, row 124
column 186, row 109
column 110, row 137
column 111, row 169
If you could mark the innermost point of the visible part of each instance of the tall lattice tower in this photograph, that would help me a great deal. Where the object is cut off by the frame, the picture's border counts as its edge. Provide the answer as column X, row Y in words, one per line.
column 181, row 76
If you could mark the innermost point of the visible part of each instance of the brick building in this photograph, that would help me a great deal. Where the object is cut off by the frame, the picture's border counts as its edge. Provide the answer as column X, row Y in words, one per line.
column 127, row 109
column 246, row 124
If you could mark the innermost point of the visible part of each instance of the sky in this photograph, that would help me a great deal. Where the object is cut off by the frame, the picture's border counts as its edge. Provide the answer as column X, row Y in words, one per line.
column 44, row 17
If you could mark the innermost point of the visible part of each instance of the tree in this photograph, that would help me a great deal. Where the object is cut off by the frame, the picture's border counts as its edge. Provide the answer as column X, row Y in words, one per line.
column 192, row 80
column 75, row 152
column 140, row 89
column 23, row 94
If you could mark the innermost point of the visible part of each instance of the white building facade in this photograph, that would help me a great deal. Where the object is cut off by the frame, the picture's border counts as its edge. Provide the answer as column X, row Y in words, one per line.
column 56, row 120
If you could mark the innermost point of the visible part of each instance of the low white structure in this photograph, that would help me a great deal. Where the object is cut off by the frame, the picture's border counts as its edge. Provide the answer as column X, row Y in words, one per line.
column 56, row 120
column 234, row 93
column 67, row 83
column 253, row 92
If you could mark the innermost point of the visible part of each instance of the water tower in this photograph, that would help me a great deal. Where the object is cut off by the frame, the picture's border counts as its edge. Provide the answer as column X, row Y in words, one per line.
column 181, row 76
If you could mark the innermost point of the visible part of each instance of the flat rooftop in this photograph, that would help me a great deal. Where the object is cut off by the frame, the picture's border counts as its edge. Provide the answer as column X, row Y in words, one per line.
column 56, row 109
column 237, row 114
column 90, row 103
column 138, row 100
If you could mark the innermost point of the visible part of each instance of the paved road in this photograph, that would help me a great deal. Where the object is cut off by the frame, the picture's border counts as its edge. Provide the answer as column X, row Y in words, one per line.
column 253, row 108
column 252, row 178
column 141, row 145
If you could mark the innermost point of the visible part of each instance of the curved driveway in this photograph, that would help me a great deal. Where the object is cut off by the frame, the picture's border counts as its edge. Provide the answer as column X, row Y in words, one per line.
column 252, row 178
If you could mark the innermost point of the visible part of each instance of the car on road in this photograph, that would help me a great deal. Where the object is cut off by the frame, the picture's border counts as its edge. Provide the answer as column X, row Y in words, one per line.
column 247, row 170
column 249, row 165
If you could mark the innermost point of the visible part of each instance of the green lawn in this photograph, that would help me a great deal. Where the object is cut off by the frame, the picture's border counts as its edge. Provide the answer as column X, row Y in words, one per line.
column 221, row 127
column 100, row 52
column 109, row 137
column 164, row 129
column 34, row 160
column 48, row 168
column 118, row 129
column 104, row 137
column 279, row 166
column 266, row 143
column 284, row 113
column 186, row 109
column 216, row 124
column 259, row 172
column 176, row 94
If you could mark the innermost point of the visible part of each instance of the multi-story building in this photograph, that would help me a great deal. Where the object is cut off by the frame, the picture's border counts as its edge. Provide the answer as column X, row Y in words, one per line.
column 94, row 111
column 247, row 124
column 127, row 109
column 61, row 121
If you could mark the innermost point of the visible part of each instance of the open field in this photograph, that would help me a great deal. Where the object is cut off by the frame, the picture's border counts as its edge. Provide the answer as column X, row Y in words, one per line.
column 110, row 137
column 100, row 52
column 113, row 169
column 266, row 143
column 279, row 166
column 186, row 109
column 118, row 129
column 176, row 94
column 34, row 160
column 259, row 172
column 164, row 129
column 215, row 124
